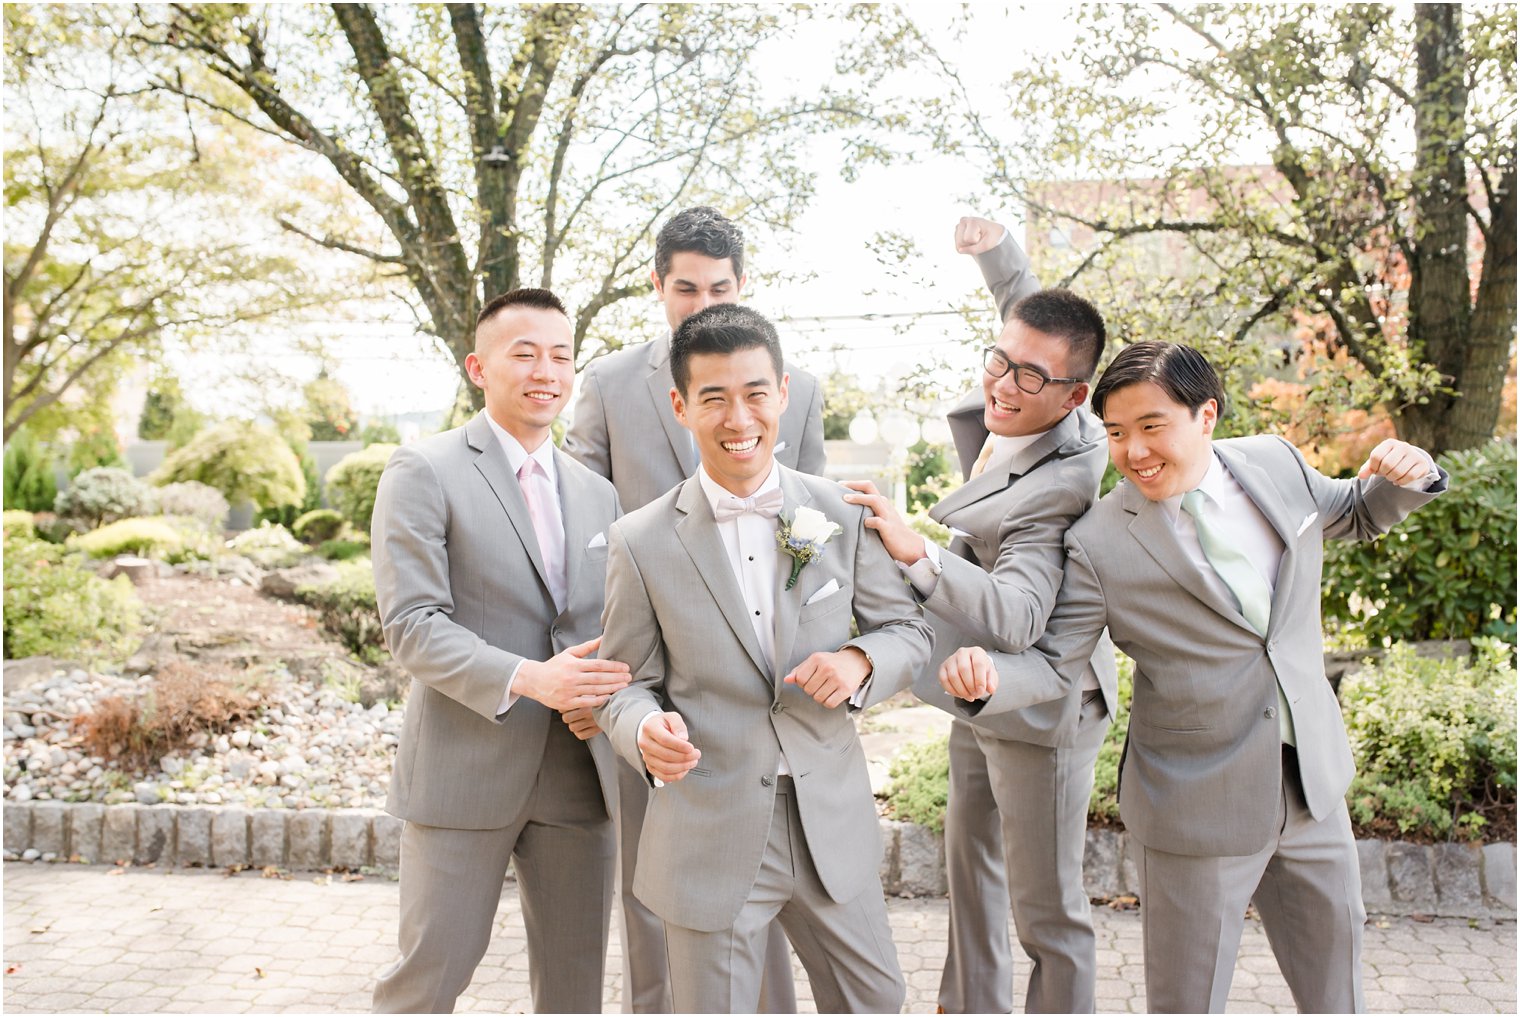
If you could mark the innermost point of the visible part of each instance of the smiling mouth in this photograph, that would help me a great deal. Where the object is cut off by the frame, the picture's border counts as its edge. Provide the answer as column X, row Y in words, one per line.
column 1147, row 473
column 1002, row 407
column 740, row 447
column 542, row 397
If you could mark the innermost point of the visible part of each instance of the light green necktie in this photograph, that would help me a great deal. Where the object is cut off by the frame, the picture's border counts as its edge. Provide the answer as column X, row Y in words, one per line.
column 1251, row 591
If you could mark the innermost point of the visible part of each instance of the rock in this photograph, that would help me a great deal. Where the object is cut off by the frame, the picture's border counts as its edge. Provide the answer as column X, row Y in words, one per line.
column 282, row 583
column 1458, row 880
column 240, row 738
column 1409, row 875
column 28, row 671
column 86, row 821
column 23, row 731
column 18, row 826
column 50, row 827
column 268, row 846
column 1100, row 863
column 118, row 834
column 21, row 793
column 386, row 830
column 155, row 835
column 30, row 855
column 193, row 836
column 229, row 837
column 307, row 831
column 146, row 792
column 920, row 861
column 1498, row 870
column 350, row 839
column 1372, row 860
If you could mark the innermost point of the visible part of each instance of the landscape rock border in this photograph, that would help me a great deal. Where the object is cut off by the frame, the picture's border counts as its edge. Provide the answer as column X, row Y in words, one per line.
column 1398, row 878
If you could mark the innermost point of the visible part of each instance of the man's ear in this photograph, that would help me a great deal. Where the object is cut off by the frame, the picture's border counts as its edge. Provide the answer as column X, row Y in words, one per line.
column 785, row 379
column 1210, row 413
column 678, row 405
column 659, row 290
column 1078, row 396
column 474, row 370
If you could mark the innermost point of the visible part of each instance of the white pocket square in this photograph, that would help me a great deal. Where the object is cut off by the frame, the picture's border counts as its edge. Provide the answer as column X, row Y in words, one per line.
column 828, row 589
column 956, row 531
column 1308, row 520
column 600, row 540
column 779, row 446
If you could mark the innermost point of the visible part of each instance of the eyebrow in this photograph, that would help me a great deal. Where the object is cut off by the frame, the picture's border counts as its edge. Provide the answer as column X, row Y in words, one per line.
column 1153, row 415
column 535, row 344
column 757, row 383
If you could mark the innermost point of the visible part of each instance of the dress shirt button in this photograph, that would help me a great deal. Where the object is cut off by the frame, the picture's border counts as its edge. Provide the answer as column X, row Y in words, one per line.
column 1269, row 712
column 776, row 708
column 767, row 781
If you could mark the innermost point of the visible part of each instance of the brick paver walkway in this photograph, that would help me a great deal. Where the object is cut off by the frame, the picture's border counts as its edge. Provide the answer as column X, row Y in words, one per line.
column 89, row 938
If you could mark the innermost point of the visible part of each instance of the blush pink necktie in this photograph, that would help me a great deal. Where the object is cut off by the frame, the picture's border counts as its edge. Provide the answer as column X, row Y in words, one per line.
column 548, row 527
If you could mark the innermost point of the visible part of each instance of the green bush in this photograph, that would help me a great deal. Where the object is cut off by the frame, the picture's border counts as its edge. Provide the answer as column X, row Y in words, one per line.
column 317, row 526
column 55, row 605
column 1434, row 743
column 352, row 481
column 286, row 515
column 29, row 481
column 347, row 609
column 151, row 538
column 1104, row 804
column 920, row 776
column 1447, row 572
column 343, row 550
column 103, row 494
column 244, row 462
column 270, row 546
column 19, row 524
column 192, row 500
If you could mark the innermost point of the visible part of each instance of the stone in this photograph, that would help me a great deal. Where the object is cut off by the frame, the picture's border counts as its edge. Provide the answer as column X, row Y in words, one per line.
column 1409, row 875
column 307, row 831
column 155, row 835
column 920, row 861
column 282, row 583
column 86, row 822
column 350, row 839
column 1100, row 863
column 387, row 835
column 146, row 792
column 1373, row 862
column 50, row 828
column 1129, row 866
column 268, row 846
column 18, row 827
column 1498, row 871
column 192, row 844
column 118, row 834
column 1458, row 880
column 229, row 838
column 889, row 828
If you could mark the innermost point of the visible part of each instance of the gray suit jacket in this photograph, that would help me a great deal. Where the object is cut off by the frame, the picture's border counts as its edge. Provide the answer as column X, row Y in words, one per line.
column 1003, row 569
column 1203, row 761
column 459, row 580
column 675, row 614
column 625, row 429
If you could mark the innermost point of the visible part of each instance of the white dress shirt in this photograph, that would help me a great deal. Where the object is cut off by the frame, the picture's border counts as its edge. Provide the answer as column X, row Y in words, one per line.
column 516, row 456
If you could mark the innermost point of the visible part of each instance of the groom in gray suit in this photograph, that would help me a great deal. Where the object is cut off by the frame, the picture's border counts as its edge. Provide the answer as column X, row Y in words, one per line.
column 1020, row 782
column 1205, row 567
column 632, row 438
column 490, row 553
column 732, row 599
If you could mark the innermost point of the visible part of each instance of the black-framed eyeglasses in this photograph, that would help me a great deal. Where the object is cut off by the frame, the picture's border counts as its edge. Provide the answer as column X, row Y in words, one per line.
column 1028, row 379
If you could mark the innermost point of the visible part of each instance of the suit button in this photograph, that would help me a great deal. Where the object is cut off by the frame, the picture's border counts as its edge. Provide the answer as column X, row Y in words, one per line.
column 1269, row 712
column 777, row 707
column 767, row 781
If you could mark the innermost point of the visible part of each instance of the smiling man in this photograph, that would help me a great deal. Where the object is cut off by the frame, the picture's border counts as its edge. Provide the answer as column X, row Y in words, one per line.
column 490, row 552
column 626, row 430
column 1033, row 459
column 745, row 675
column 1205, row 567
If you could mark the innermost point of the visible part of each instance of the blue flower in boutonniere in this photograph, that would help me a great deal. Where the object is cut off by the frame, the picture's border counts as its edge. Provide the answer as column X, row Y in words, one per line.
column 803, row 537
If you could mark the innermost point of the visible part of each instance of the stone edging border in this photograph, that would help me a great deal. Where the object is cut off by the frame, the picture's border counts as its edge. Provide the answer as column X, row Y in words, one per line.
column 1453, row 880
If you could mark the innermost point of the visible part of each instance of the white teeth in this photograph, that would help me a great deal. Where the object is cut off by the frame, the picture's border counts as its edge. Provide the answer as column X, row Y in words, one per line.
column 1148, row 473
column 543, row 397
column 741, row 446
column 1001, row 406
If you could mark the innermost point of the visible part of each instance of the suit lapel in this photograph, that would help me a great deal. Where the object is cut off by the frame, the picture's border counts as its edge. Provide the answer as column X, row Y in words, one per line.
column 968, row 429
column 1259, row 488
column 1153, row 531
column 998, row 479
column 493, row 466
column 698, row 534
column 660, row 383
column 788, row 602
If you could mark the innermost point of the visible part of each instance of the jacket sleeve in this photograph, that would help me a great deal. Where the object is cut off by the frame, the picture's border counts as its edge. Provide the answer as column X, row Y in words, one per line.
column 1357, row 509
column 631, row 634
column 893, row 633
column 1007, row 273
column 410, row 552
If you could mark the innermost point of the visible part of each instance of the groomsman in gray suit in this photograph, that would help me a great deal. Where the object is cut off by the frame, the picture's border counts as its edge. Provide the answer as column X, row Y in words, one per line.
column 625, row 430
column 732, row 599
column 1205, row 567
column 1019, row 783
column 490, row 554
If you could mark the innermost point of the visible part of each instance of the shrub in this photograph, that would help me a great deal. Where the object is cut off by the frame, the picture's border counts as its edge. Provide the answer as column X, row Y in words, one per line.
column 244, row 462
column 182, row 700
column 317, row 526
column 1447, row 572
column 380, row 432
column 347, row 609
column 1434, row 743
column 103, row 494
column 1104, row 804
column 352, row 481
column 19, row 524
column 920, row 785
column 192, row 500
column 151, row 538
column 286, row 515
column 343, row 550
column 29, row 481
column 57, row 606
column 270, row 546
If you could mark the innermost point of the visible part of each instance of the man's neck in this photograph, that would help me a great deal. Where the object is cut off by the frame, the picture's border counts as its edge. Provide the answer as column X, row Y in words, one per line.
column 754, row 486
column 530, row 438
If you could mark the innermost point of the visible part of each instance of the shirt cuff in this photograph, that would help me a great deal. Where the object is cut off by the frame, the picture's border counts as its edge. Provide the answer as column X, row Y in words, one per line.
column 652, row 713
column 924, row 573
column 1422, row 483
column 509, row 697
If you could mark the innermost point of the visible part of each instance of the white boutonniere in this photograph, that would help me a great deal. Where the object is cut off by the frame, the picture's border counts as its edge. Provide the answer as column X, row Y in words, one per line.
column 803, row 537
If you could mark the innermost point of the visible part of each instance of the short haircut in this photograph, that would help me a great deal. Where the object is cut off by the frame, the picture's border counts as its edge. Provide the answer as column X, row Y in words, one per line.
column 1065, row 315
column 721, row 329
column 523, row 296
column 1183, row 373
column 704, row 230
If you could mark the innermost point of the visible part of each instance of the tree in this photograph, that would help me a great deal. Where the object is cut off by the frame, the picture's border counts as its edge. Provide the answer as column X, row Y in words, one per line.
column 1389, row 143
column 121, row 230
column 501, row 145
